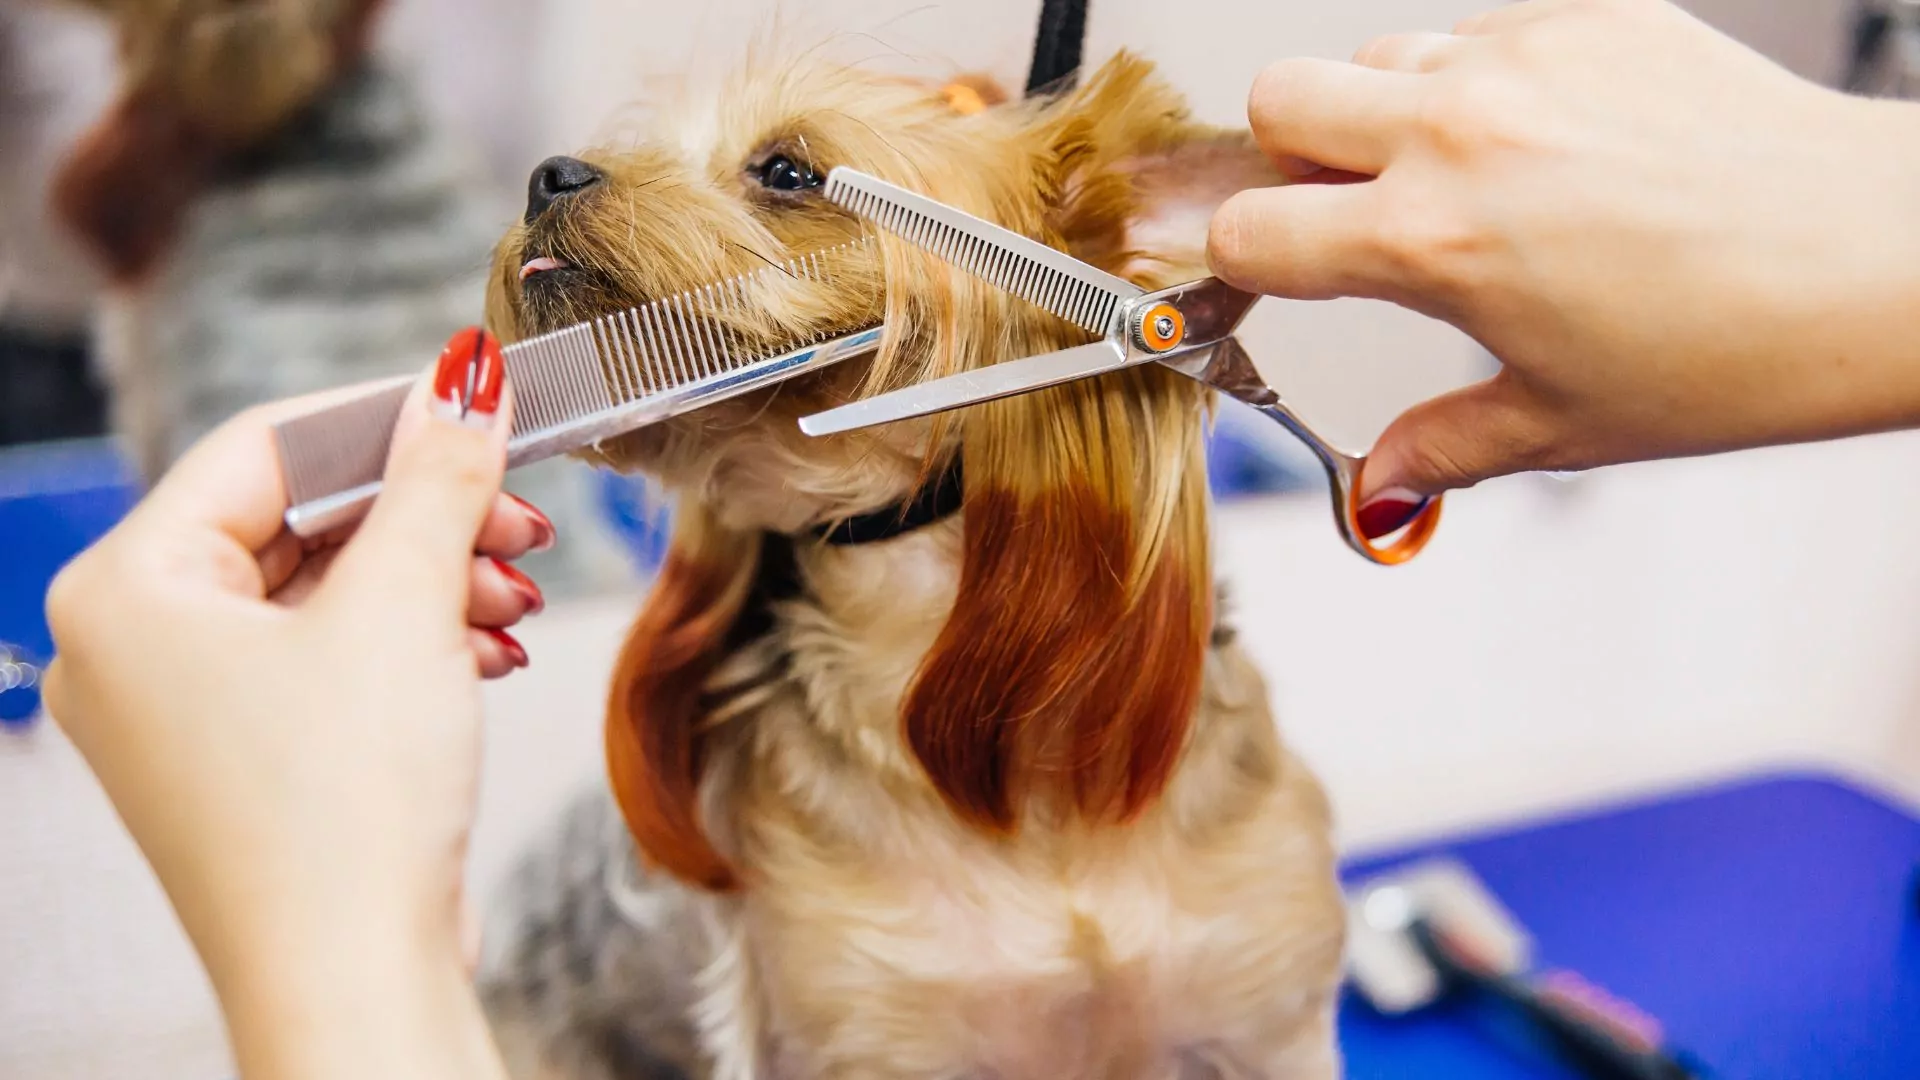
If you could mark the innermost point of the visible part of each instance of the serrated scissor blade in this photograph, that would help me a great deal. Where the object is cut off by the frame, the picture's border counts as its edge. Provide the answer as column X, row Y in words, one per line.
column 1084, row 295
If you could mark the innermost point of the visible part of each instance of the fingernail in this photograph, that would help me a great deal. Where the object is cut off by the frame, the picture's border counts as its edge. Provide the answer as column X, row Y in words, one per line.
column 543, row 531
column 1388, row 510
column 515, row 651
column 523, row 585
column 469, row 378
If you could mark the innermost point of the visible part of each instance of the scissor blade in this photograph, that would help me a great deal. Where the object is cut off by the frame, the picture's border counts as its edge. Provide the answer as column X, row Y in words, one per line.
column 969, row 388
column 1084, row 295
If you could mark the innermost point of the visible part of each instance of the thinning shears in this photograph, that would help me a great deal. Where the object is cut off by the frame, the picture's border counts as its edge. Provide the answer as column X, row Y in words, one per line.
column 1189, row 328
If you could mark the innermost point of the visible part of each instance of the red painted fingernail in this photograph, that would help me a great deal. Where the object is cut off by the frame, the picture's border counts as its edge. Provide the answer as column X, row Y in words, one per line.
column 1389, row 510
column 515, row 651
column 469, row 379
column 543, row 532
column 521, row 584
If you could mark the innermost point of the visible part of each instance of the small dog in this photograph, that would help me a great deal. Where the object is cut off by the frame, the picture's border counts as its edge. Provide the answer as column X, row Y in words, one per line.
column 997, row 796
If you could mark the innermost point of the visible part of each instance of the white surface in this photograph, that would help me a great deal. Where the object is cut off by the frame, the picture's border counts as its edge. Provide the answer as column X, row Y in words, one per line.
column 1633, row 629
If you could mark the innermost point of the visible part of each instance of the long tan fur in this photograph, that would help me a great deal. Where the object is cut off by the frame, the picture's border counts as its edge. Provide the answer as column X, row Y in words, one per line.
column 997, row 797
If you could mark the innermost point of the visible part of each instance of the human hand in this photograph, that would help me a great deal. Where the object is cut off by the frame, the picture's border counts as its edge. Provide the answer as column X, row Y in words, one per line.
column 291, row 731
column 1673, row 246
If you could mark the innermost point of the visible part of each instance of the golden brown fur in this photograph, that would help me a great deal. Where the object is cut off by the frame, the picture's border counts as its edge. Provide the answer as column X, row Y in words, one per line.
column 992, row 798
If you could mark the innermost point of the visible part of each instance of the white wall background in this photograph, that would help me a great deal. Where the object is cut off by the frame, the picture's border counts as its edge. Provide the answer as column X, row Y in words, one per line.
column 1557, row 644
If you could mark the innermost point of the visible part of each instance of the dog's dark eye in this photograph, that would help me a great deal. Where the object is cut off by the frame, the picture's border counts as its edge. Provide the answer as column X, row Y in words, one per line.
column 782, row 173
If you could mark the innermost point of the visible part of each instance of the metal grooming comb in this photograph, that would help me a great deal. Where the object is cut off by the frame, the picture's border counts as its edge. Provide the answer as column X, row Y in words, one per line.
column 575, row 386
column 1085, row 296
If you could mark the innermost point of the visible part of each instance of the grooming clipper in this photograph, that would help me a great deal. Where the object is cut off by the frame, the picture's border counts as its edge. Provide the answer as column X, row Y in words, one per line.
column 1424, row 931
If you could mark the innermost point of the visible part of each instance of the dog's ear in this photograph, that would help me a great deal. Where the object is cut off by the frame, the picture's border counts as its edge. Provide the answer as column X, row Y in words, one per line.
column 1137, row 179
column 655, row 742
column 1070, row 666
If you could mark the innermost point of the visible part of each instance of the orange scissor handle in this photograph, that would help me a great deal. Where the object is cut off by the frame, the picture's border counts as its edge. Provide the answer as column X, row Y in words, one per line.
column 1228, row 368
column 1401, row 545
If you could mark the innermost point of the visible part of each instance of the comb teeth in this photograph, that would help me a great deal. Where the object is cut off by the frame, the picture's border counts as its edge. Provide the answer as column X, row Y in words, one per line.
column 641, row 352
column 1084, row 296
column 332, row 450
column 582, row 382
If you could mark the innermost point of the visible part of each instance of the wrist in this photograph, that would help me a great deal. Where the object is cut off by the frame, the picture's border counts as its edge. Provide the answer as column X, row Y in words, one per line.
column 1846, row 358
column 377, row 1005
column 1892, row 312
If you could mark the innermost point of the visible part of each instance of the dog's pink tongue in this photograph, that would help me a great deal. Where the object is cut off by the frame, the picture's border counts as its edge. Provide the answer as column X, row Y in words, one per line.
column 543, row 263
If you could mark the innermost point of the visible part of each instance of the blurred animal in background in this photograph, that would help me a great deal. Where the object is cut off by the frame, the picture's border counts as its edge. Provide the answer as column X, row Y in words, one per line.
column 206, row 84
column 931, row 754
column 276, row 215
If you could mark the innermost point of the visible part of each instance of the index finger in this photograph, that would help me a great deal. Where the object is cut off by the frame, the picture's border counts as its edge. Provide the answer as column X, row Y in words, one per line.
column 1302, row 241
column 1342, row 116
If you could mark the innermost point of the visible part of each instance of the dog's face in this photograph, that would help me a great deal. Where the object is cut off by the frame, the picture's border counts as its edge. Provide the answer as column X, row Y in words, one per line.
column 728, row 193
column 735, row 186
column 1070, row 658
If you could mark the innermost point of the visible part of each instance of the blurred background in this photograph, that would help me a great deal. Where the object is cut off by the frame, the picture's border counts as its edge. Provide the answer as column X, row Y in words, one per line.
column 1560, row 643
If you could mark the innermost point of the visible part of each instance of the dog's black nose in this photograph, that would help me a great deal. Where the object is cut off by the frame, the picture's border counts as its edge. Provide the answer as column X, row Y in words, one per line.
column 555, row 177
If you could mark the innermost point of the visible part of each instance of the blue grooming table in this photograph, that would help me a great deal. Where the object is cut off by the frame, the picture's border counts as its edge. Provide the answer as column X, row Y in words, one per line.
column 1771, row 926
column 55, row 499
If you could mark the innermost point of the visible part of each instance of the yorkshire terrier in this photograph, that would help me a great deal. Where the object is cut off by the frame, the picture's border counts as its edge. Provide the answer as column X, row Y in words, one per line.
column 997, row 796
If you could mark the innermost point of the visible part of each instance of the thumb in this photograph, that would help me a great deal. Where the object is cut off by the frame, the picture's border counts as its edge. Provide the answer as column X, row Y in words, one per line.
column 1453, row 441
column 415, row 547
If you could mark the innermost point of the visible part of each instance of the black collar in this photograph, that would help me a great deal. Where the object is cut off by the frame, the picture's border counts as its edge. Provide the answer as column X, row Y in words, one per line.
column 931, row 503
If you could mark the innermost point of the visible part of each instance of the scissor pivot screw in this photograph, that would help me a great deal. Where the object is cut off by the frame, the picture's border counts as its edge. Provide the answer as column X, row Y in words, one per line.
column 1159, row 328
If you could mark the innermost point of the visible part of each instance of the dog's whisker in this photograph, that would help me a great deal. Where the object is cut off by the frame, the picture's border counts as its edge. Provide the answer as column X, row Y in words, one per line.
column 762, row 258
column 884, row 141
column 907, row 14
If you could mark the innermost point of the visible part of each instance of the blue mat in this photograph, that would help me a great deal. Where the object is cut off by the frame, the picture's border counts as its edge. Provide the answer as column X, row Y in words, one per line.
column 55, row 499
